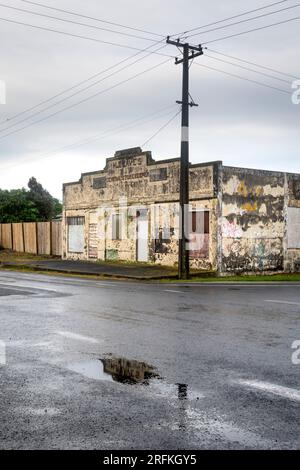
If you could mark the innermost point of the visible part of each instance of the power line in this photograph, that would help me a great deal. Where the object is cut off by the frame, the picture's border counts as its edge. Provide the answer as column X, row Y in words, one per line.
column 86, row 99
column 133, row 123
column 82, row 82
column 249, row 69
column 161, row 128
column 79, row 36
column 243, row 78
column 69, row 12
column 113, row 130
column 76, row 92
column 252, row 30
column 77, row 23
column 252, row 63
column 229, row 18
column 244, row 21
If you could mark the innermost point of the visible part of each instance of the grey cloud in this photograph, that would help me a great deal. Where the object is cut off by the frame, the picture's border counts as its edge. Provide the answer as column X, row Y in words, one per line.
column 238, row 122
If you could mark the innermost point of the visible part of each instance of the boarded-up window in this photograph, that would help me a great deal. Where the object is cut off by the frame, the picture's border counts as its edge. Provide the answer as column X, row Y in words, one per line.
column 93, row 242
column 99, row 183
column 75, row 234
column 199, row 222
column 293, row 227
column 199, row 234
column 158, row 174
column 116, row 227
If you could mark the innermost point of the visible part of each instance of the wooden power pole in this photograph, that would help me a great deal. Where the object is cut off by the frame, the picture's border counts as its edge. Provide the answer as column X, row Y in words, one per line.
column 189, row 53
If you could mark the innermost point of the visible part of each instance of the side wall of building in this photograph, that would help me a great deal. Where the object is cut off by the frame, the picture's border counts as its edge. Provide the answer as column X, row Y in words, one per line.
column 253, row 220
column 292, row 243
column 260, row 221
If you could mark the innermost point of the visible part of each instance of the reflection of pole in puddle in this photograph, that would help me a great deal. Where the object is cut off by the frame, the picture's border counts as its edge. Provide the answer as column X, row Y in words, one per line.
column 182, row 394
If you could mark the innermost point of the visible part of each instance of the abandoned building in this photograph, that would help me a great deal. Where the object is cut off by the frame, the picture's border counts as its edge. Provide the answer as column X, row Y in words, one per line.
column 239, row 219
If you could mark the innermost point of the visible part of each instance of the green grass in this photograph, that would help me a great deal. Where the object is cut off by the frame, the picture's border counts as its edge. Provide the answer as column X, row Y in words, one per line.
column 295, row 277
column 7, row 256
column 21, row 259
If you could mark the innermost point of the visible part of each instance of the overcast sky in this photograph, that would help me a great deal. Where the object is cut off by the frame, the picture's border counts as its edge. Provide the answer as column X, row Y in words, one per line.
column 239, row 122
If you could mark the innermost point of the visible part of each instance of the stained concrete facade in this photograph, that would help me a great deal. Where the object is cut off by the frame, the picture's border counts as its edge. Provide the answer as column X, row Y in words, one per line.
column 241, row 220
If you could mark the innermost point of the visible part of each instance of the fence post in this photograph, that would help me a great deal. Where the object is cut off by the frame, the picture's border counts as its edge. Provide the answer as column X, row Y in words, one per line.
column 23, row 237
column 37, row 238
column 12, row 236
column 51, row 245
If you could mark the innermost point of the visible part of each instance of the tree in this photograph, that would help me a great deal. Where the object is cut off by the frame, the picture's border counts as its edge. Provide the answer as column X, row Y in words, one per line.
column 15, row 207
column 21, row 205
column 42, row 200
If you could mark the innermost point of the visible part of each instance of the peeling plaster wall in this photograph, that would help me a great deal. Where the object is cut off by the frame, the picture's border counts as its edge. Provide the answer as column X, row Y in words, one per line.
column 164, row 247
column 254, row 215
column 129, row 174
column 292, row 246
column 253, row 222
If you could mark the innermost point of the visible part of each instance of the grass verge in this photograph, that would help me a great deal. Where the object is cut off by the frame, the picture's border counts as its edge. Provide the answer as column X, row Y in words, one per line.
column 294, row 277
column 7, row 256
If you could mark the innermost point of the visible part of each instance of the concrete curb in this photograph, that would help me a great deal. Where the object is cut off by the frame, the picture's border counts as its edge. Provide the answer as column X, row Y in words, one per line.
column 128, row 277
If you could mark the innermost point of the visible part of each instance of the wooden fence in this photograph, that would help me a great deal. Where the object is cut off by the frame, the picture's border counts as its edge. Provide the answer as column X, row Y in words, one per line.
column 39, row 238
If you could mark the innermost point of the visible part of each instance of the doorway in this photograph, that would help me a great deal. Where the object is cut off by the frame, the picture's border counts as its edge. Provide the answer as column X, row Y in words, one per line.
column 142, row 228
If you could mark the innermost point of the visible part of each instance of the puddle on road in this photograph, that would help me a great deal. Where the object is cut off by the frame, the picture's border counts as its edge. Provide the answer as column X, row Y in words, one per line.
column 93, row 369
column 115, row 369
column 125, row 371
column 128, row 371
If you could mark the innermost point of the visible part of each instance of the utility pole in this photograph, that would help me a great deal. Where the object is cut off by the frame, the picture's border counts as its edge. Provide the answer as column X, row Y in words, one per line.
column 189, row 53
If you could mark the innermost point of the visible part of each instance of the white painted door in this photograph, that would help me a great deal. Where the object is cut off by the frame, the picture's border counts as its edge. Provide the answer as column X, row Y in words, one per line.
column 142, row 236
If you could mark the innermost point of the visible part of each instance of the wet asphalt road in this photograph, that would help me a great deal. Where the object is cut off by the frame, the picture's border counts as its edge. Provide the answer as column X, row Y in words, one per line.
column 229, row 348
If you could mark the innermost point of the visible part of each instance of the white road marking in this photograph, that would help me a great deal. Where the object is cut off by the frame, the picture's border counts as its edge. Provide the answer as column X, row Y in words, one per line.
column 174, row 291
column 70, row 335
column 207, row 421
column 282, row 302
column 285, row 392
column 2, row 353
column 27, row 410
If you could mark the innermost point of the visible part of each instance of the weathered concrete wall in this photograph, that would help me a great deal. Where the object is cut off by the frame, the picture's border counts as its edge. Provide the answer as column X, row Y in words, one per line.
column 133, row 174
column 138, row 177
column 253, row 222
column 254, row 215
column 164, row 246
column 292, row 245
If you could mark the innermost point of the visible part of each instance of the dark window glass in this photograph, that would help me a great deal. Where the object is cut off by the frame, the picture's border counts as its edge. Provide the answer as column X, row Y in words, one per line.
column 116, row 227
column 199, row 222
column 99, row 183
column 75, row 220
column 159, row 174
